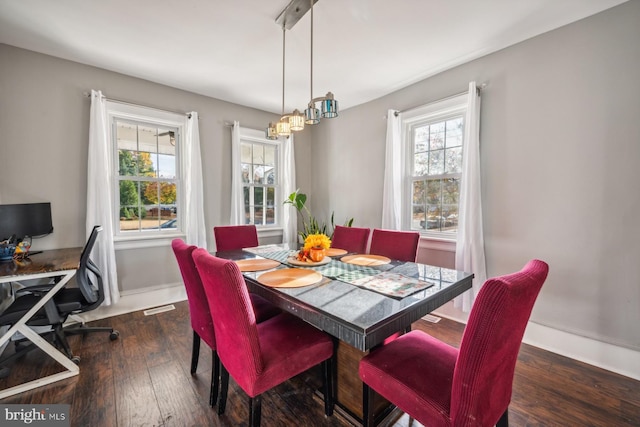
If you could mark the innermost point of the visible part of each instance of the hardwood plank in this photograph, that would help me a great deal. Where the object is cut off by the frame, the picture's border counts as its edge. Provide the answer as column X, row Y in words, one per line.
column 156, row 349
column 136, row 403
column 179, row 406
column 94, row 398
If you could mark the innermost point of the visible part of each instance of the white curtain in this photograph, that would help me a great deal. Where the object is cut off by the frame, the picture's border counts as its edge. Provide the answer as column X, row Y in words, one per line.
column 99, row 203
column 392, row 186
column 237, row 198
column 290, row 220
column 470, row 239
column 194, row 226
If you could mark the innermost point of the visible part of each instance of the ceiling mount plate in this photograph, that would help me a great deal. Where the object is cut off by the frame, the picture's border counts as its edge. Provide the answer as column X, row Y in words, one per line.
column 291, row 14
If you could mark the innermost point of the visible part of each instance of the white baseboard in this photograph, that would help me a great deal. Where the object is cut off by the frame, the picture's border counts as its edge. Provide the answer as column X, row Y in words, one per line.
column 620, row 360
column 139, row 299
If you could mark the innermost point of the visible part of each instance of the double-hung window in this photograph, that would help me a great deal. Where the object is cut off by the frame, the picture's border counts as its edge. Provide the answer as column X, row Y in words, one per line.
column 147, row 184
column 433, row 138
column 260, row 165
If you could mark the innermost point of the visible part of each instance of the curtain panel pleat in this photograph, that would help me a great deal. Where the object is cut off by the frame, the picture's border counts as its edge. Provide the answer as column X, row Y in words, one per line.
column 99, row 200
column 194, row 224
column 470, row 254
column 237, row 208
column 289, row 218
column 392, row 186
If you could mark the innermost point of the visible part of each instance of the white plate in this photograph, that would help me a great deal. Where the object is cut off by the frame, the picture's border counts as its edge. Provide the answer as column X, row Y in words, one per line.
column 294, row 261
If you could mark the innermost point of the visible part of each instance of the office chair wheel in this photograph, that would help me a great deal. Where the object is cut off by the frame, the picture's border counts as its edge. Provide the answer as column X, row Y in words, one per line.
column 114, row 335
column 76, row 360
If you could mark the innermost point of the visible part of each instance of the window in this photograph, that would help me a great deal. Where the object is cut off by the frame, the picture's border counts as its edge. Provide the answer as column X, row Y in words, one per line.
column 261, row 189
column 433, row 140
column 147, row 185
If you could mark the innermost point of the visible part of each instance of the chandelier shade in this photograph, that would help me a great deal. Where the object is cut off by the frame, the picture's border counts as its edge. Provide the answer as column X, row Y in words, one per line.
column 283, row 128
column 296, row 121
column 272, row 131
column 329, row 107
column 312, row 115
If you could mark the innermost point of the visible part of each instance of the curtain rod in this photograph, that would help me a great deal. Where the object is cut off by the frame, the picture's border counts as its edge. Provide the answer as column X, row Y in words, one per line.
column 119, row 101
column 478, row 90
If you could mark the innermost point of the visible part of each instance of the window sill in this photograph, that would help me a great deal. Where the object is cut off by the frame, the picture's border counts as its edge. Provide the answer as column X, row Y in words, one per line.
column 270, row 232
column 437, row 243
column 138, row 242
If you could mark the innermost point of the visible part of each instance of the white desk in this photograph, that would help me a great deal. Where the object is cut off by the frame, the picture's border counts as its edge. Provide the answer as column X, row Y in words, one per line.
column 61, row 263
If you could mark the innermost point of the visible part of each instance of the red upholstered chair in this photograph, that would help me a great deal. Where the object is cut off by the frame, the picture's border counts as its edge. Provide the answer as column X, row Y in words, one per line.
column 201, row 322
column 439, row 385
column 232, row 237
column 351, row 239
column 259, row 356
column 400, row 245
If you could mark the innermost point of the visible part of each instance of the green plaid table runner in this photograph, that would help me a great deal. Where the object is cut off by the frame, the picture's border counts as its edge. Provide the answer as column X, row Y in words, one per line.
column 280, row 256
column 388, row 283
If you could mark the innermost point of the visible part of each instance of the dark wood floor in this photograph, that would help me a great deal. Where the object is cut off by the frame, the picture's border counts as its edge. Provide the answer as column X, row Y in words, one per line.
column 143, row 379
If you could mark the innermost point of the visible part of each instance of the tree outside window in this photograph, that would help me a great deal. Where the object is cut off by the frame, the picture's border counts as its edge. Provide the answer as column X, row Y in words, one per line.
column 148, row 190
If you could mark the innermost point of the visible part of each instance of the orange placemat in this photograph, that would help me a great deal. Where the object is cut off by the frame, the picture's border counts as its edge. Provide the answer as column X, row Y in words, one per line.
column 290, row 278
column 366, row 259
column 336, row 252
column 256, row 264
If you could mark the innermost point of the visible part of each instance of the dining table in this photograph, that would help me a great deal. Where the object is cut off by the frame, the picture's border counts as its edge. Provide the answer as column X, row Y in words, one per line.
column 359, row 299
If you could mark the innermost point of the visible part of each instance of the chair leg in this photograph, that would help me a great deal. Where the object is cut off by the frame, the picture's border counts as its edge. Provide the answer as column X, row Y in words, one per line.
column 255, row 410
column 84, row 330
column 327, row 385
column 224, row 387
column 504, row 419
column 215, row 378
column 62, row 340
column 368, row 419
column 195, row 352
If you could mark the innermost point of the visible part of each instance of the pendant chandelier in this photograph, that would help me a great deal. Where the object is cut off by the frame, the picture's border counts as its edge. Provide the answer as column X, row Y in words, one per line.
column 295, row 121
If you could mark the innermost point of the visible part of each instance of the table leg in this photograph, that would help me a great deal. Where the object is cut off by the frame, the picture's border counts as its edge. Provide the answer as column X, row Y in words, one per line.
column 71, row 368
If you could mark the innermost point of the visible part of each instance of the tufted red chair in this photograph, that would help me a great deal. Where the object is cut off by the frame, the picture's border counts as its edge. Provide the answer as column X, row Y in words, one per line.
column 351, row 239
column 232, row 237
column 201, row 322
column 439, row 385
column 259, row 356
column 400, row 245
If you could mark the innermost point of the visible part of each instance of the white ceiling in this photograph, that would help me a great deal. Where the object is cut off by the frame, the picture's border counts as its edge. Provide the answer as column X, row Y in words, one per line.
column 232, row 49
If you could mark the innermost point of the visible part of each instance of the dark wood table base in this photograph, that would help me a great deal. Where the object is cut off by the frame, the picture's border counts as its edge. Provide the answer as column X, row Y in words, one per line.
column 349, row 386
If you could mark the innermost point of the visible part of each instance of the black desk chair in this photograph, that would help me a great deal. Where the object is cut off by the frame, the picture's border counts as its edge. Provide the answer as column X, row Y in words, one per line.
column 68, row 301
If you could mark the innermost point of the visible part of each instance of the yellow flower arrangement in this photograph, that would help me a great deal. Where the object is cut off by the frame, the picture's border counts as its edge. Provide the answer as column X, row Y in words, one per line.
column 317, row 241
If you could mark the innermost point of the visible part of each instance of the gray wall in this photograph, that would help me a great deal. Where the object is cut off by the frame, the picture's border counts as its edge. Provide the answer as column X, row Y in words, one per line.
column 44, row 124
column 560, row 146
column 560, row 143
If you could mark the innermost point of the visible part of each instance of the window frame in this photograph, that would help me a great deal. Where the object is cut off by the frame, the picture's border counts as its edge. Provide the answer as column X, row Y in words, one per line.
column 144, row 116
column 434, row 112
column 253, row 136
